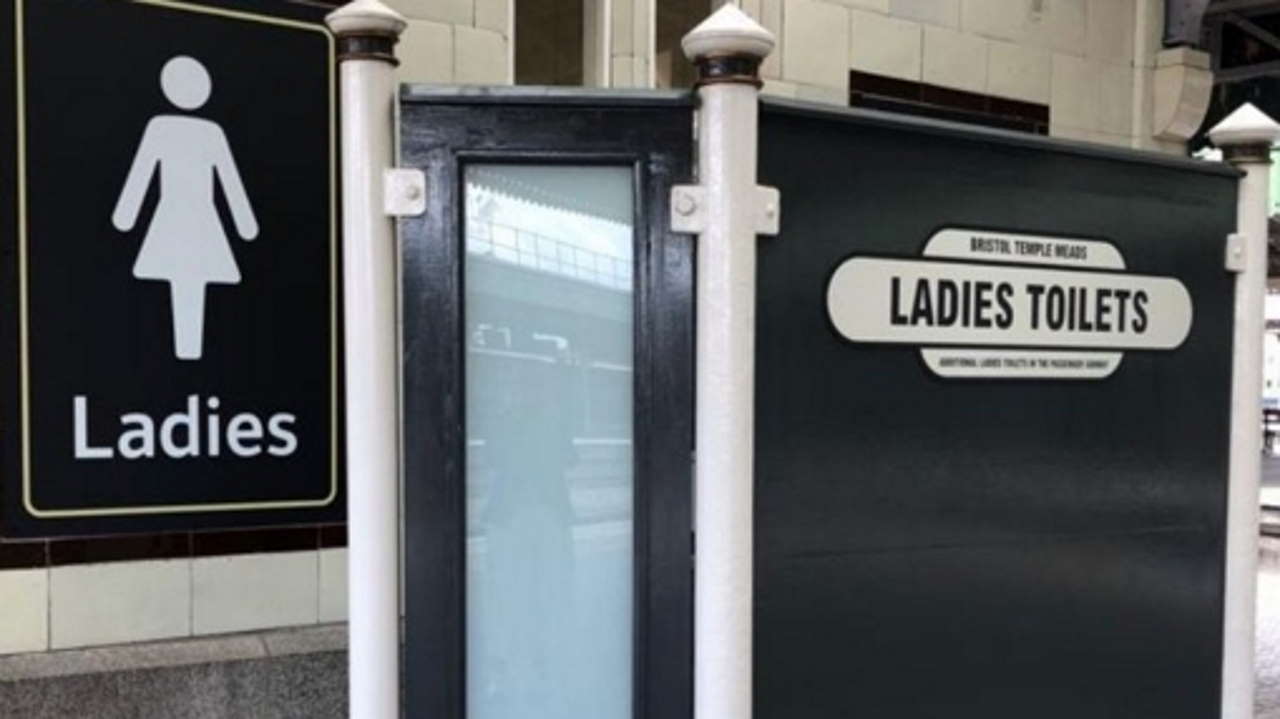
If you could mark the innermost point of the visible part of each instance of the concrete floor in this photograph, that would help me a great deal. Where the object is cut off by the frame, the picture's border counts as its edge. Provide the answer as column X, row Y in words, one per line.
column 1268, row 651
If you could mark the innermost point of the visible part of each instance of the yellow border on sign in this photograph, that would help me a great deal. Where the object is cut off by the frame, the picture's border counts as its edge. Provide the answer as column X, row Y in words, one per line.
column 23, row 319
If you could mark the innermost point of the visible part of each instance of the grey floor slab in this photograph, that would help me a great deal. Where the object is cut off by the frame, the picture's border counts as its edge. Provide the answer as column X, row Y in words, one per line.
column 1268, row 649
column 291, row 686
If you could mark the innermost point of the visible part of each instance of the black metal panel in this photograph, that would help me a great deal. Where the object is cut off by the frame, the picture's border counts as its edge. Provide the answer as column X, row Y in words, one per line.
column 441, row 131
column 272, row 341
column 998, row 548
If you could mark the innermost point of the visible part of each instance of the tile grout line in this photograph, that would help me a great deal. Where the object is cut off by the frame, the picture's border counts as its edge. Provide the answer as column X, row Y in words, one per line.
column 48, row 606
column 191, row 596
column 319, row 578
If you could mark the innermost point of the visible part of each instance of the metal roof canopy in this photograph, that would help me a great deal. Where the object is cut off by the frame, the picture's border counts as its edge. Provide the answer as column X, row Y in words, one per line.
column 1242, row 36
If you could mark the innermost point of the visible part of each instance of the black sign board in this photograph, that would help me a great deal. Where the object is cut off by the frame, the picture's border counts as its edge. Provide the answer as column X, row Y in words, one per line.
column 991, row 448
column 171, row 281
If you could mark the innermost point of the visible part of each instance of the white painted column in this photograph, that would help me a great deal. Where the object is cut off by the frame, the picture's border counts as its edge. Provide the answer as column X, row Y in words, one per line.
column 1245, row 137
column 367, row 31
column 727, row 48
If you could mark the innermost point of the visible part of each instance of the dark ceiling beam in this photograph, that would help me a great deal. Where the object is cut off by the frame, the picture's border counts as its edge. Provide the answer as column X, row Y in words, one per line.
column 1258, row 32
column 1237, row 6
column 1247, row 72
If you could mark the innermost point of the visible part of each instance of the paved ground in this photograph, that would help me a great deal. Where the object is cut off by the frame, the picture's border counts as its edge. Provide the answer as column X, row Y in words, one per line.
column 1268, row 670
column 1268, row 695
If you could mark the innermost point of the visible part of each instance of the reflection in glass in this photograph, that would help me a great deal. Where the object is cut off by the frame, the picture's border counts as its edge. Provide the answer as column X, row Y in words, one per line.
column 549, row 475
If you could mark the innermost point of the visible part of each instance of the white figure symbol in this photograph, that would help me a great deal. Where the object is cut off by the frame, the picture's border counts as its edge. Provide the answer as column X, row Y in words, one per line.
column 185, row 244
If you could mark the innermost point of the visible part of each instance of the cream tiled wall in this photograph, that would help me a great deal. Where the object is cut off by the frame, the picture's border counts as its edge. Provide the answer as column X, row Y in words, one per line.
column 884, row 45
column 333, row 585
column 119, row 602
column 123, row 602
column 631, row 46
column 254, row 591
column 1091, row 61
column 1080, row 57
column 469, row 42
column 456, row 41
column 24, row 610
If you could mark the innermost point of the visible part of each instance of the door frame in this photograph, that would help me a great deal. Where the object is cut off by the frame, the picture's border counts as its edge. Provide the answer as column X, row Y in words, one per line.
column 442, row 130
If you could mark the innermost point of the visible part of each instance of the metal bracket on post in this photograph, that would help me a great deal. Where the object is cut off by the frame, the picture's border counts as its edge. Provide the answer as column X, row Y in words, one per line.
column 689, row 209
column 404, row 192
column 769, row 217
column 1237, row 257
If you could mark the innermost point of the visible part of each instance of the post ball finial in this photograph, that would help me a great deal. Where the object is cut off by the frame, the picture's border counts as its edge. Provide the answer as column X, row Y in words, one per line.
column 728, row 32
column 366, row 17
column 1246, row 126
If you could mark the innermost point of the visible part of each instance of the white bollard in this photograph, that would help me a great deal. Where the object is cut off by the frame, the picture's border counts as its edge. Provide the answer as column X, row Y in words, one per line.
column 1246, row 137
column 728, row 48
column 367, row 32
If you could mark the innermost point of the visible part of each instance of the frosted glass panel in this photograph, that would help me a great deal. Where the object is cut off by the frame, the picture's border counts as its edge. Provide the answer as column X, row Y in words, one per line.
column 549, row 441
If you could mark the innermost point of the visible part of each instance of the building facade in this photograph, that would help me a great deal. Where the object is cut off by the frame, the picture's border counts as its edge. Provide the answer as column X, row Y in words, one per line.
column 1089, row 70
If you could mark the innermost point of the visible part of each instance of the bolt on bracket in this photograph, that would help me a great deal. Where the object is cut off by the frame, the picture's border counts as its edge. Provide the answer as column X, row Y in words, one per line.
column 1237, row 254
column 768, row 205
column 689, row 209
column 404, row 192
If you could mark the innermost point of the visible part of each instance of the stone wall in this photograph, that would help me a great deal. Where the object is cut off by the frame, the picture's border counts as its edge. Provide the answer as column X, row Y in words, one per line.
column 1093, row 62
column 456, row 41
column 1090, row 61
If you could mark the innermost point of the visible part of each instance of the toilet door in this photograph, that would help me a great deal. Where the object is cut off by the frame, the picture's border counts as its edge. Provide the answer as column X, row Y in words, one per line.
column 548, row 405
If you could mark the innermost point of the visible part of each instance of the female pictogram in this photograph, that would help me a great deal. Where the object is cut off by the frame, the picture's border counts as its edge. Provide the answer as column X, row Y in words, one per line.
column 185, row 244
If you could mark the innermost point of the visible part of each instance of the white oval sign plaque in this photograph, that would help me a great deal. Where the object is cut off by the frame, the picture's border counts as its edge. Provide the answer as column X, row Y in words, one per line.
column 976, row 292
